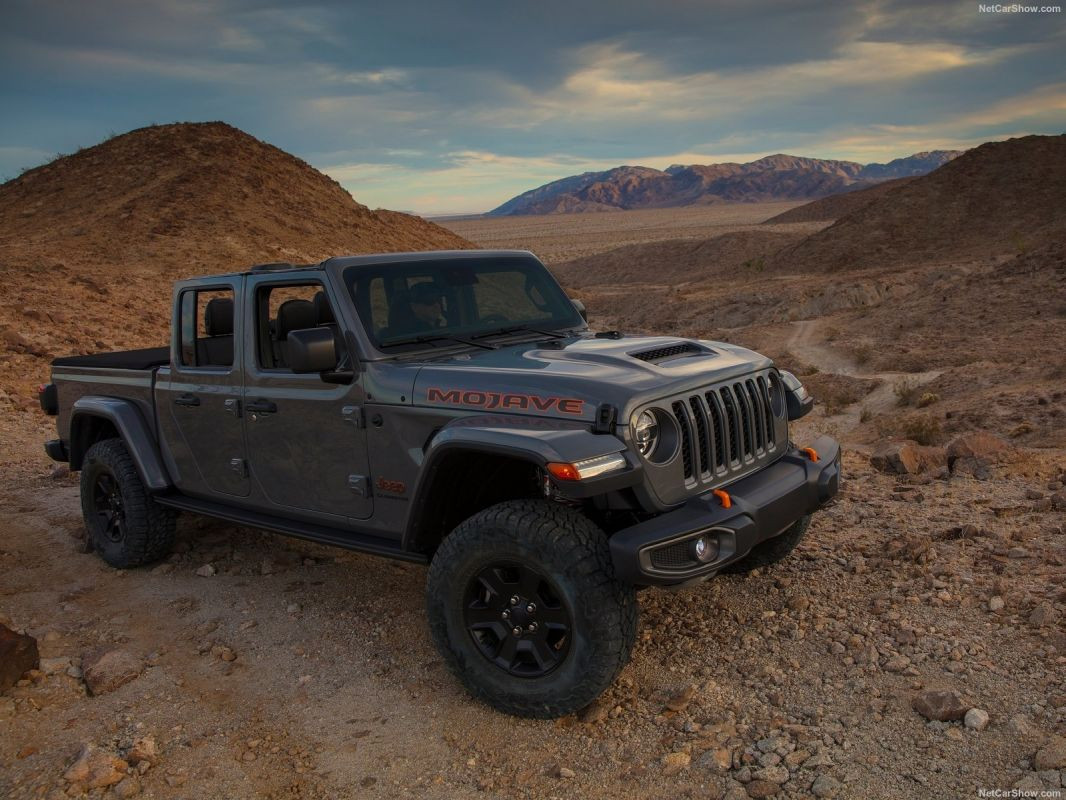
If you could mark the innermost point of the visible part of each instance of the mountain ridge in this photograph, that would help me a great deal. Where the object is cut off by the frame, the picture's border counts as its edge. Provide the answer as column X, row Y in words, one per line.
column 778, row 176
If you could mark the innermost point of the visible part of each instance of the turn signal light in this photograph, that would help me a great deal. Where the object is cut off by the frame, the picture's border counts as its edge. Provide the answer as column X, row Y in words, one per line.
column 586, row 468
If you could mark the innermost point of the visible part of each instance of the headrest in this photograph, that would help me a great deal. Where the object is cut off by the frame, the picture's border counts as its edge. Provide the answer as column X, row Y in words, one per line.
column 218, row 316
column 295, row 315
column 323, row 312
column 425, row 293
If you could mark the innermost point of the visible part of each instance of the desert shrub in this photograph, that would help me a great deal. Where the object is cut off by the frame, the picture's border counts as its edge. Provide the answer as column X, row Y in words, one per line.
column 866, row 415
column 906, row 390
column 862, row 354
column 927, row 399
column 832, row 334
column 923, row 430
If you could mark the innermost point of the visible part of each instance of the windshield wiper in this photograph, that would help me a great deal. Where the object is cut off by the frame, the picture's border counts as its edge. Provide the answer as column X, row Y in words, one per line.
column 427, row 338
column 521, row 329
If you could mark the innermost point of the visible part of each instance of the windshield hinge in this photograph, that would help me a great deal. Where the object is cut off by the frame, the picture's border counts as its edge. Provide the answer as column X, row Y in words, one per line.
column 606, row 417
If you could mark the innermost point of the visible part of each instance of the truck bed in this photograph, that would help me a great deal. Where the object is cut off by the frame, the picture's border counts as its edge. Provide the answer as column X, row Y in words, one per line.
column 122, row 359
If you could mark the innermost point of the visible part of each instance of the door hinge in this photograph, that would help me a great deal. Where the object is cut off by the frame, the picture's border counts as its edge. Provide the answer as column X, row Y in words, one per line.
column 240, row 466
column 359, row 485
column 353, row 414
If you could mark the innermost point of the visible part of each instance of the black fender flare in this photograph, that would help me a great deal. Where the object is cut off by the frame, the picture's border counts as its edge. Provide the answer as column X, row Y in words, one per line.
column 536, row 440
column 132, row 428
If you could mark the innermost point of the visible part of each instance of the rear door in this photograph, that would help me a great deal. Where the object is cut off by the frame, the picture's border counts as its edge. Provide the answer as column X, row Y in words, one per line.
column 199, row 401
column 306, row 441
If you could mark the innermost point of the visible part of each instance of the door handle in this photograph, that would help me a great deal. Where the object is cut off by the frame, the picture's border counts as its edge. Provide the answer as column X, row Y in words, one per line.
column 261, row 407
column 186, row 400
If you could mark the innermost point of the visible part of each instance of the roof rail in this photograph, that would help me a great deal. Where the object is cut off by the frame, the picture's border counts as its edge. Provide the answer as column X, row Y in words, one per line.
column 272, row 266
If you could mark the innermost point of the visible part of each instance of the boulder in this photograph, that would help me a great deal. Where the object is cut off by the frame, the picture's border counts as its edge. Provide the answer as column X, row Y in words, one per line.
column 105, row 669
column 94, row 768
column 943, row 705
column 1052, row 755
column 908, row 458
column 18, row 655
column 978, row 444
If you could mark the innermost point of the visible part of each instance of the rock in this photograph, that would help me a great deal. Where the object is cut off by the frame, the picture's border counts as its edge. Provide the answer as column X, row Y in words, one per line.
column 94, row 768
column 1017, row 552
column 673, row 763
column 1043, row 615
column 206, row 571
column 907, row 458
column 977, row 444
column 943, row 705
column 976, row 468
column 681, row 700
column 53, row 666
column 143, row 749
column 106, row 669
column 996, row 604
column 735, row 792
column 1052, row 755
column 596, row 711
column 293, row 608
column 1030, row 783
column 820, row 759
column 1058, row 501
column 719, row 760
column 759, row 788
column 18, row 655
column 129, row 786
column 976, row 719
column 566, row 772
column 826, row 786
column 774, row 774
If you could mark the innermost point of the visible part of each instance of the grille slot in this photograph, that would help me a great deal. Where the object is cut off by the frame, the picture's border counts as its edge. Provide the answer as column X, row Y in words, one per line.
column 726, row 431
column 668, row 352
column 674, row 556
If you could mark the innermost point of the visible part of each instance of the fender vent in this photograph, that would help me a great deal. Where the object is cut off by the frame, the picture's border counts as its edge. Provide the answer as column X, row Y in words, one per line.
column 660, row 354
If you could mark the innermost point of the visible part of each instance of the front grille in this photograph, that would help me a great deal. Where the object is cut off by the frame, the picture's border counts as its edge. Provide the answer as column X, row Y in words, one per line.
column 673, row 557
column 671, row 351
column 726, row 429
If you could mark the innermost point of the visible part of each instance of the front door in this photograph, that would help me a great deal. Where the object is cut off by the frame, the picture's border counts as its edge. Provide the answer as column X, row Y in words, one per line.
column 199, row 401
column 306, row 442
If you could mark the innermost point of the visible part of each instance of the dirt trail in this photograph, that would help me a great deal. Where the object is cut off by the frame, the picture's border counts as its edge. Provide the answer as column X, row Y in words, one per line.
column 808, row 343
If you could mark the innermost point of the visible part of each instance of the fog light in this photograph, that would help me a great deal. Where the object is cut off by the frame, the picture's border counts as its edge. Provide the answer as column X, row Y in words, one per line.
column 704, row 549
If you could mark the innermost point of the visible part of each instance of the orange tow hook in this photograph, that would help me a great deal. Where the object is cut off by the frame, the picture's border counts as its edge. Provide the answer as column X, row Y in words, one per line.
column 723, row 495
column 812, row 454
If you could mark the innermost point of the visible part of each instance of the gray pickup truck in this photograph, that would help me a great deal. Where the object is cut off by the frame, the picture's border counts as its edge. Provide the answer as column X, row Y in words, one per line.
column 453, row 409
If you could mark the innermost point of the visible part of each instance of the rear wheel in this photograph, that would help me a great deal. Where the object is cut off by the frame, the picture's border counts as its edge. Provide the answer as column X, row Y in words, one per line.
column 772, row 550
column 525, row 609
column 123, row 523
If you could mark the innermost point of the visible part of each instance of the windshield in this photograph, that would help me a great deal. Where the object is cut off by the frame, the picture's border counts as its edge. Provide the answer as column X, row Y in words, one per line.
column 419, row 302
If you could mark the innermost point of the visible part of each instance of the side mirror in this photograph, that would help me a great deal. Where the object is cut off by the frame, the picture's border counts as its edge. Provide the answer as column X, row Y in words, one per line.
column 311, row 350
column 580, row 309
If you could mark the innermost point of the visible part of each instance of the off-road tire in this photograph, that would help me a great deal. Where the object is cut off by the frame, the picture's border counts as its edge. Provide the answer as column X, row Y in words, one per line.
column 572, row 553
column 148, row 530
column 772, row 550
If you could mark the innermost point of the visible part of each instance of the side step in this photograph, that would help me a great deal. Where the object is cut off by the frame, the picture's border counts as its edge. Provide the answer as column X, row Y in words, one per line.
column 322, row 534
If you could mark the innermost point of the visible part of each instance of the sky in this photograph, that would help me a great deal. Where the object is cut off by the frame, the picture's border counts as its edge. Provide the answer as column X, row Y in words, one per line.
column 445, row 107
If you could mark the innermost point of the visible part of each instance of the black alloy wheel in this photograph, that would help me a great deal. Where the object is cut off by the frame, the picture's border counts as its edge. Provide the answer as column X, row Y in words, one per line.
column 517, row 619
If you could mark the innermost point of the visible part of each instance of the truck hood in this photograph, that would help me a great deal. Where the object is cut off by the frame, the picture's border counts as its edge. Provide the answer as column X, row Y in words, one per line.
column 571, row 378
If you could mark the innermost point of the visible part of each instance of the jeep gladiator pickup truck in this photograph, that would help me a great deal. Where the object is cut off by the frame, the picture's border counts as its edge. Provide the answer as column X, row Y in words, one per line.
column 452, row 409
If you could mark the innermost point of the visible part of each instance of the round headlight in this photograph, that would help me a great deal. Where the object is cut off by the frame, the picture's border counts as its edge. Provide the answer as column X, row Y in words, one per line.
column 645, row 432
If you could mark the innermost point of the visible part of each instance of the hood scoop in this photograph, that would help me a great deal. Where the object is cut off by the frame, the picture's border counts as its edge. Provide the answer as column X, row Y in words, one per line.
column 669, row 352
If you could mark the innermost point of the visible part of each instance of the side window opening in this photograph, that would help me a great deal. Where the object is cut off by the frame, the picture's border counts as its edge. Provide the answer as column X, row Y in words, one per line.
column 206, row 328
column 285, row 308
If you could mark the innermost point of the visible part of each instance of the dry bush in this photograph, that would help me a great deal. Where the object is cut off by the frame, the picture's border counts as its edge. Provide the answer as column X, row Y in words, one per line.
column 924, row 430
column 862, row 354
column 927, row 399
column 866, row 415
column 906, row 391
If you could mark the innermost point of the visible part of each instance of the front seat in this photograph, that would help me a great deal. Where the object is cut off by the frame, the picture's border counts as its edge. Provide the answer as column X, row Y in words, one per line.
column 216, row 348
column 293, row 315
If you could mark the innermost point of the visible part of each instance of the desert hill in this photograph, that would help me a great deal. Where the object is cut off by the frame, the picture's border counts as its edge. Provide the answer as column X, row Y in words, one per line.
column 838, row 205
column 91, row 243
column 775, row 177
column 1002, row 198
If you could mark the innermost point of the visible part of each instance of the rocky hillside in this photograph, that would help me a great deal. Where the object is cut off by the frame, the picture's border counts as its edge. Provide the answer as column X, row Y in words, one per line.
column 838, row 205
column 91, row 243
column 776, row 177
column 1002, row 198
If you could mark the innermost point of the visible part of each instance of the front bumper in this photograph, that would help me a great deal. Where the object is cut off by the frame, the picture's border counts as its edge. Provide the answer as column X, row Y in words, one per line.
column 764, row 504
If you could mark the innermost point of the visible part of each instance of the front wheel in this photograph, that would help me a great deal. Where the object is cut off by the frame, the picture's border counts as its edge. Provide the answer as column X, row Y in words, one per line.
column 524, row 607
column 124, row 525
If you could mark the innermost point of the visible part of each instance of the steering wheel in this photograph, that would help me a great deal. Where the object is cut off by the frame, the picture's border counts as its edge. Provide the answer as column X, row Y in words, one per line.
column 494, row 318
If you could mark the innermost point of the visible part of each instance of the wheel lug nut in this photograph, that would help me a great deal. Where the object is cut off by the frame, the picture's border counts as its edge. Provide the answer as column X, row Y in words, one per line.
column 531, row 608
column 514, row 599
column 531, row 627
column 516, row 631
column 506, row 614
